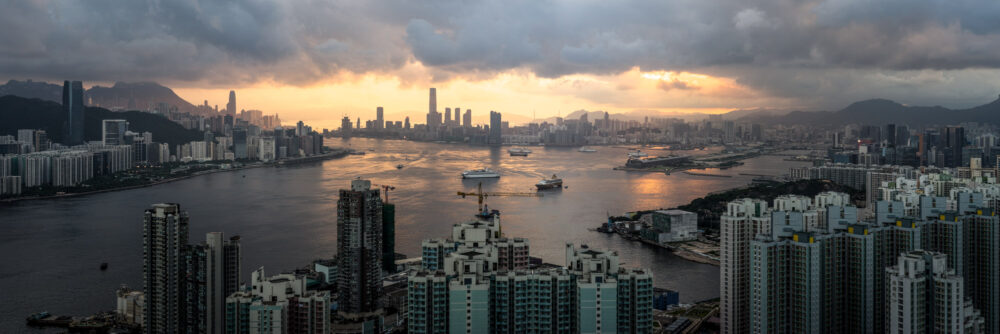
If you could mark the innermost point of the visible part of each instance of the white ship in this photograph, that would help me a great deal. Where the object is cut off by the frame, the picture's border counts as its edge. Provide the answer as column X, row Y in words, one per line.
column 484, row 173
column 637, row 154
column 517, row 151
column 587, row 149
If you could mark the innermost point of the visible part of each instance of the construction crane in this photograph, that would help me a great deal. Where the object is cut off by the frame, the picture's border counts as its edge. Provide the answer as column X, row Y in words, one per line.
column 483, row 195
column 385, row 189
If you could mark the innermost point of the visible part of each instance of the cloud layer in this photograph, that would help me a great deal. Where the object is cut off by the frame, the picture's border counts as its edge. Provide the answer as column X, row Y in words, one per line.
column 817, row 53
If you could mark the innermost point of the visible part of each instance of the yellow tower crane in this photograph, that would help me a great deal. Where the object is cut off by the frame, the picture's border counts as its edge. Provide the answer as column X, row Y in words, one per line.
column 483, row 195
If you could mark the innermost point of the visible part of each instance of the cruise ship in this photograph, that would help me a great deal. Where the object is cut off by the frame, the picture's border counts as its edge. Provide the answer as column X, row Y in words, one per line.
column 554, row 182
column 484, row 173
column 586, row 149
column 520, row 152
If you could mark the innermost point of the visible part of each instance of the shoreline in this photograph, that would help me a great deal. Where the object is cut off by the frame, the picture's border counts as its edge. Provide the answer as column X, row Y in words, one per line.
column 322, row 157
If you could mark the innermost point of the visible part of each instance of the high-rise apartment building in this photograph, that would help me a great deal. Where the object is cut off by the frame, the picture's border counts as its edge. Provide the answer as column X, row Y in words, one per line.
column 359, row 248
column 467, row 118
column 471, row 291
column 165, row 237
column 72, row 100
column 222, row 277
column 925, row 296
column 379, row 119
column 278, row 304
column 744, row 219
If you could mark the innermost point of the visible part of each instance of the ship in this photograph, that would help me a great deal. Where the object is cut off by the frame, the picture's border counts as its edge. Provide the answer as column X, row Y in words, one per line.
column 484, row 173
column 637, row 154
column 586, row 149
column 399, row 166
column 518, row 152
column 554, row 182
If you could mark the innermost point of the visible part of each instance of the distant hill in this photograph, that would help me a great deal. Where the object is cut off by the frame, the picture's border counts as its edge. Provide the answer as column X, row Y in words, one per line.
column 24, row 113
column 143, row 96
column 120, row 96
column 882, row 111
column 33, row 90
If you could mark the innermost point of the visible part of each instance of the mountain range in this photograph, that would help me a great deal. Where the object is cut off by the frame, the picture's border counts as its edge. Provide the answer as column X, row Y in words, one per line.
column 120, row 96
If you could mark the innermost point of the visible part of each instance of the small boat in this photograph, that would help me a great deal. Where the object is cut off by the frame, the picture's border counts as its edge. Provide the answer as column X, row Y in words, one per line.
column 586, row 149
column 104, row 266
column 371, row 150
column 554, row 182
column 637, row 154
column 518, row 152
column 484, row 173
column 399, row 166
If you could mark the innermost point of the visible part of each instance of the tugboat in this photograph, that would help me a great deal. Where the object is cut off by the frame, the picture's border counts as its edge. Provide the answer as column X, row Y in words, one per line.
column 554, row 182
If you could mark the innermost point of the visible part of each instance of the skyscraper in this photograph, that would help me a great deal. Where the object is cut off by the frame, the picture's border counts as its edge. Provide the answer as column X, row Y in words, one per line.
column 928, row 297
column 359, row 248
column 165, row 236
column 457, row 120
column 495, row 127
column 73, row 106
column 222, row 277
column 379, row 119
column 433, row 117
column 467, row 118
column 231, row 106
column 447, row 116
column 406, row 123
column 113, row 131
column 240, row 143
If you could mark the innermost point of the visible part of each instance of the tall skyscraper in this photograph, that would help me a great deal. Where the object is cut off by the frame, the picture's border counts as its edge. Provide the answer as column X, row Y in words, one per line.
column 165, row 236
column 359, row 248
column 72, row 100
column 222, row 277
column 231, row 106
column 113, row 131
column 928, row 297
column 495, row 128
column 433, row 117
column 743, row 220
column 457, row 120
column 406, row 123
column 467, row 118
column 389, row 238
column 379, row 119
column 240, row 143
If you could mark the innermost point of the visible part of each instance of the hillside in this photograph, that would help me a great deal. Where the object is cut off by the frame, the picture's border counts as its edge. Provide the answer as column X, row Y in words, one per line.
column 710, row 207
column 143, row 96
column 23, row 113
column 33, row 90
column 882, row 111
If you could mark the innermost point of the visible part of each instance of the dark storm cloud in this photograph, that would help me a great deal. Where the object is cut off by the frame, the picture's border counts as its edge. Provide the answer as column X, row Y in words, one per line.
column 815, row 49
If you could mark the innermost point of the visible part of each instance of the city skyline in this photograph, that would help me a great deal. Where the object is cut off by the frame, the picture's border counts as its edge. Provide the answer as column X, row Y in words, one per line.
column 561, row 57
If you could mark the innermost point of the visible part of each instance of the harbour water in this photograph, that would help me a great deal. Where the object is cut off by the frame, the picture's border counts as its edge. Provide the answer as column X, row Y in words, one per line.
column 52, row 249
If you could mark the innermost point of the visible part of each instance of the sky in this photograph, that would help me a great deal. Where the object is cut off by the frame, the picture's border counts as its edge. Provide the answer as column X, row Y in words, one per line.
column 321, row 60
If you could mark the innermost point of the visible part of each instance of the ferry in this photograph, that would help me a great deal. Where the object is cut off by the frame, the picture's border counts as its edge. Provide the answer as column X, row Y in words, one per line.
column 484, row 173
column 554, row 182
column 518, row 152
column 586, row 149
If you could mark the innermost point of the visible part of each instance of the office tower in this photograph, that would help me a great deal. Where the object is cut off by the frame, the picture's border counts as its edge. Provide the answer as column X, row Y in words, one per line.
column 113, row 131
column 240, row 143
column 743, row 220
column 345, row 125
column 890, row 135
column 467, row 118
column 389, row 238
column 495, row 127
column 165, row 236
column 447, row 116
column 359, row 248
column 72, row 100
column 928, row 297
column 457, row 120
column 406, row 123
column 379, row 119
column 222, row 277
column 432, row 107
column 231, row 105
